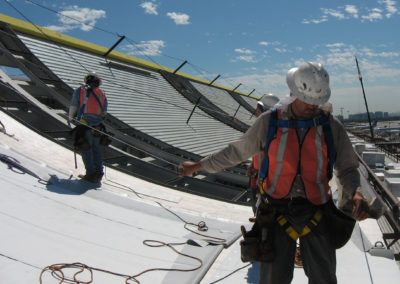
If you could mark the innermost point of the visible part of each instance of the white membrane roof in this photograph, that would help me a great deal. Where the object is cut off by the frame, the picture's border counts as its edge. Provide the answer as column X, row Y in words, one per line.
column 104, row 226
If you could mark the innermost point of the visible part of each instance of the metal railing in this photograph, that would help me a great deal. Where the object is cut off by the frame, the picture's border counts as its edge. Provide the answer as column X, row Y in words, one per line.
column 391, row 206
column 390, row 149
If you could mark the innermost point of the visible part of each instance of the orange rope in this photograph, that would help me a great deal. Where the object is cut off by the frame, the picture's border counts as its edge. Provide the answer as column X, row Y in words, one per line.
column 57, row 270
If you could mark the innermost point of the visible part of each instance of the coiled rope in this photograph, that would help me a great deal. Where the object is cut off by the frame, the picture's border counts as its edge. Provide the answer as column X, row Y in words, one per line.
column 59, row 270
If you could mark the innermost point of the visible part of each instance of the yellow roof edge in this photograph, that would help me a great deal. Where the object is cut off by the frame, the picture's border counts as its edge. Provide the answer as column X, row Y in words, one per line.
column 35, row 30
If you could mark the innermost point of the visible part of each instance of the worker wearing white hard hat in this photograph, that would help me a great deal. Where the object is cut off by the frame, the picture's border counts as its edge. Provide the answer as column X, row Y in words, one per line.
column 302, row 143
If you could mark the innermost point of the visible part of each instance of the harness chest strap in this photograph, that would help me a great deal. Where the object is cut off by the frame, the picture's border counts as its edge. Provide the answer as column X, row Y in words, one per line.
column 313, row 223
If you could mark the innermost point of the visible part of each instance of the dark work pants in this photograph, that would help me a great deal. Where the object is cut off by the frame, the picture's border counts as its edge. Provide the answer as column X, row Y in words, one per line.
column 317, row 253
column 93, row 157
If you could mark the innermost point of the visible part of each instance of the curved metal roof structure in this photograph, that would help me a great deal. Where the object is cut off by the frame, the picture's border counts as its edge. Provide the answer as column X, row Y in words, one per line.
column 134, row 225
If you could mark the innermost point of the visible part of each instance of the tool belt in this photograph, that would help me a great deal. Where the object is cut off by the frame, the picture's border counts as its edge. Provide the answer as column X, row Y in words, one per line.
column 339, row 225
column 80, row 142
column 258, row 243
column 105, row 139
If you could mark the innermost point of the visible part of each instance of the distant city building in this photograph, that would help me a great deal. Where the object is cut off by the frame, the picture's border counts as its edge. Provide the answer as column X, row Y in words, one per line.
column 360, row 116
column 379, row 114
column 372, row 115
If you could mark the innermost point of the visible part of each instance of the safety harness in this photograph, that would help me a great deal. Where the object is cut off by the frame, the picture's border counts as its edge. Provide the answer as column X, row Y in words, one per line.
column 274, row 124
column 314, row 221
column 89, row 92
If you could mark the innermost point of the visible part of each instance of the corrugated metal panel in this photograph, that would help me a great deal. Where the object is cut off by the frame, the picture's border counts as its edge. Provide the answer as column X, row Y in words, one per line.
column 250, row 101
column 224, row 101
column 141, row 98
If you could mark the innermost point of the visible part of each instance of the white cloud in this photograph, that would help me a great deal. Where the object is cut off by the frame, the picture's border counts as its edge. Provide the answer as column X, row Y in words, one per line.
column 384, row 54
column 352, row 10
column 179, row 19
column 244, row 51
column 374, row 15
column 150, row 48
column 247, row 58
column 338, row 44
column 267, row 43
column 267, row 82
column 149, row 8
column 78, row 18
column 281, row 50
column 323, row 19
column 390, row 7
column 60, row 29
column 333, row 13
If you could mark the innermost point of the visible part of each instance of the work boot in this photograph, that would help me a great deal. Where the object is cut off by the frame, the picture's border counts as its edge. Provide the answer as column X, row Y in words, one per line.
column 90, row 178
column 98, row 177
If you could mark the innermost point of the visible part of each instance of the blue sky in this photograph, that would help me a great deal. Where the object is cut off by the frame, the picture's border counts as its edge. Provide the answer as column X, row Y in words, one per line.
column 250, row 42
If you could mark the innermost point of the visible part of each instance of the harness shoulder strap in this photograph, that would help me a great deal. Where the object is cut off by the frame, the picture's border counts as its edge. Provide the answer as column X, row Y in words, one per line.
column 270, row 136
column 82, row 108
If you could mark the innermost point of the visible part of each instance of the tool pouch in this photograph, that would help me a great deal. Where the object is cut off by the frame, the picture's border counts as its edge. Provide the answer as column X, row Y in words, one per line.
column 80, row 142
column 340, row 225
column 249, row 249
column 257, row 244
column 105, row 139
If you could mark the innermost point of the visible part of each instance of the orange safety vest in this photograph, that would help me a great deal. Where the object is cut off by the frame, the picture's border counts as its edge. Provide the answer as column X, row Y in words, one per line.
column 257, row 160
column 92, row 106
column 286, row 155
column 257, row 166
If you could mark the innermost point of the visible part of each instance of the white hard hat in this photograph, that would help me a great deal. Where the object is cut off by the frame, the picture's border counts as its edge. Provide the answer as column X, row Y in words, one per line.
column 268, row 101
column 309, row 83
column 90, row 76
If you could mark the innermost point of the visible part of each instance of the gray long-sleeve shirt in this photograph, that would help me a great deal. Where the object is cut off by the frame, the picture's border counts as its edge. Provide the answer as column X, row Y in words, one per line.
column 254, row 140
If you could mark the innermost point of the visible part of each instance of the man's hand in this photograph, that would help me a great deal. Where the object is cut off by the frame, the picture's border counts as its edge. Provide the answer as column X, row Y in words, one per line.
column 360, row 207
column 250, row 171
column 189, row 168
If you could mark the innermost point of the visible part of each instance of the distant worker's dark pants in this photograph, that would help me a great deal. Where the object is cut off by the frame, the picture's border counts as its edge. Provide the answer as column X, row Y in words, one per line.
column 93, row 157
column 317, row 253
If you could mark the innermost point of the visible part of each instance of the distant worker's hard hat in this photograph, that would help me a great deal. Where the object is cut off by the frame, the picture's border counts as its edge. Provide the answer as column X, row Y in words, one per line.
column 309, row 83
column 92, row 77
column 268, row 101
